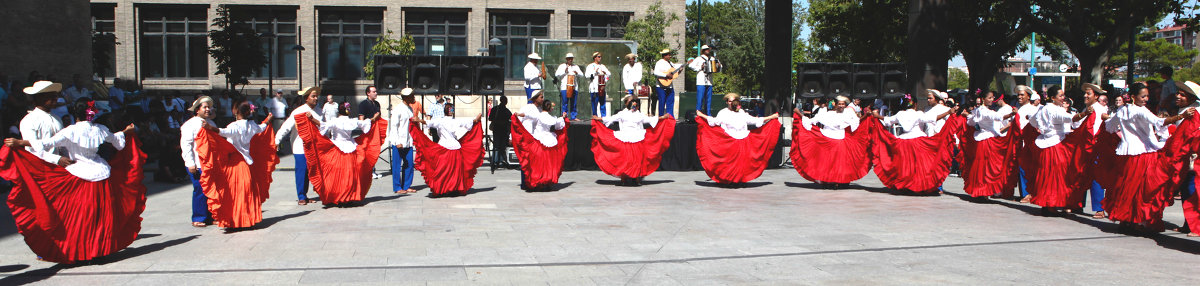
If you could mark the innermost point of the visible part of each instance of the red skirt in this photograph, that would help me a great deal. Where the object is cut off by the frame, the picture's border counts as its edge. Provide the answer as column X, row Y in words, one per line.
column 727, row 160
column 918, row 164
column 542, row 165
column 1027, row 156
column 236, row 190
column 1140, row 192
column 631, row 160
column 447, row 170
column 66, row 219
column 821, row 159
column 336, row 176
column 989, row 167
column 1061, row 178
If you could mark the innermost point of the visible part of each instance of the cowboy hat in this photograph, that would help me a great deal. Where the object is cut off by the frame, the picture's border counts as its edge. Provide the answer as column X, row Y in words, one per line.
column 307, row 90
column 1094, row 87
column 535, row 56
column 43, row 87
column 705, row 47
column 1190, row 88
column 940, row 95
column 406, row 91
column 631, row 56
column 665, row 51
column 569, row 56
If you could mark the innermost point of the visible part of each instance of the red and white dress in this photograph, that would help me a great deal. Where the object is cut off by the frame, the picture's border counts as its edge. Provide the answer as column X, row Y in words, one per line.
column 633, row 151
column 86, row 210
column 990, row 153
column 1061, row 156
column 340, row 168
column 1142, row 187
column 729, row 151
column 1180, row 147
column 238, row 162
column 449, row 165
column 540, row 150
column 837, row 152
column 913, row 161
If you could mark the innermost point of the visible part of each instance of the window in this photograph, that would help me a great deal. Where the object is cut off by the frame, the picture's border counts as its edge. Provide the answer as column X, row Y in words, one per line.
column 516, row 32
column 598, row 26
column 278, row 27
column 437, row 33
column 104, row 24
column 174, row 42
column 346, row 36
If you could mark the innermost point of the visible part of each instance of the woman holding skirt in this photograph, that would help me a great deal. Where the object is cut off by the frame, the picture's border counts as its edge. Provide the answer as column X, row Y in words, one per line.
column 831, row 148
column 633, row 152
column 449, row 165
column 911, row 160
column 340, row 167
column 1061, row 155
column 540, row 150
column 237, row 177
column 990, row 146
column 729, row 151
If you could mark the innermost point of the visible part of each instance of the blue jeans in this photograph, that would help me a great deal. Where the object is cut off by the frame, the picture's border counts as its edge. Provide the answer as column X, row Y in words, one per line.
column 402, row 168
column 704, row 98
column 599, row 101
column 1024, row 184
column 666, row 100
column 568, row 104
column 199, row 201
column 1187, row 190
column 529, row 94
column 1097, row 196
column 301, row 177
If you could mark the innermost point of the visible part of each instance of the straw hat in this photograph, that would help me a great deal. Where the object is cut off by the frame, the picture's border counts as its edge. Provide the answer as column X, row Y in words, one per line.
column 631, row 56
column 43, row 87
column 705, row 47
column 1094, row 87
column 1190, row 88
column 569, row 56
column 535, row 56
column 940, row 95
column 842, row 98
column 664, row 52
column 308, row 90
column 196, row 104
column 406, row 91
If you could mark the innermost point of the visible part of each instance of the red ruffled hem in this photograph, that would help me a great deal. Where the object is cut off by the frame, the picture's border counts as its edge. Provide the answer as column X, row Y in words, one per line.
column 445, row 170
column 631, row 160
column 727, row 160
column 821, row 159
column 990, row 165
column 542, row 165
column 236, row 190
column 919, row 165
column 1061, row 177
column 336, row 176
column 1141, row 190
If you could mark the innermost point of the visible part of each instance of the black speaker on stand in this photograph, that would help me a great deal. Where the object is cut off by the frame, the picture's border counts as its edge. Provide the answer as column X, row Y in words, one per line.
column 458, row 75
column 865, row 81
column 837, row 79
column 426, row 74
column 489, row 76
column 892, row 79
column 810, row 80
column 391, row 73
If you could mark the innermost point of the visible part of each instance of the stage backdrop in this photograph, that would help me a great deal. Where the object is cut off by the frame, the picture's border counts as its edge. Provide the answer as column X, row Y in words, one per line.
column 554, row 51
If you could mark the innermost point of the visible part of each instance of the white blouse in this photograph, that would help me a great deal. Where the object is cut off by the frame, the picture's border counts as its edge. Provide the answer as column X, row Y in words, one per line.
column 736, row 123
column 833, row 123
column 290, row 123
column 1137, row 126
column 1053, row 122
column 450, row 130
column 81, row 140
column 1026, row 112
column 340, row 129
column 239, row 134
column 630, row 122
column 526, row 120
column 933, row 126
column 989, row 123
column 398, row 124
column 544, row 125
column 910, row 121
column 40, row 125
column 1098, row 109
column 187, row 140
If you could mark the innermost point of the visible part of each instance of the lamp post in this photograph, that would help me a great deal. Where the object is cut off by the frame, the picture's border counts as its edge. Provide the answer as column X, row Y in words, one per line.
column 270, row 58
column 299, row 65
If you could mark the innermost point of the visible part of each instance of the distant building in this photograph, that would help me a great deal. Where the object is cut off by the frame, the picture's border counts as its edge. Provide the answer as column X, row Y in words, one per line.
column 1176, row 35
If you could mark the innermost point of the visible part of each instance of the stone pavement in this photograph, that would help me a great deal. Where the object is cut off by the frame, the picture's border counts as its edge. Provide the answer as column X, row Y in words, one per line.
column 676, row 230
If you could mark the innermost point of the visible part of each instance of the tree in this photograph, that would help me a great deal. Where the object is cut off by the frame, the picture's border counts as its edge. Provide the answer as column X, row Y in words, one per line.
column 735, row 31
column 860, row 31
column 236, row 48
column 650, row 34
column 387, row 45
column 986, row 34
column 958, row 79
column 1150, row 55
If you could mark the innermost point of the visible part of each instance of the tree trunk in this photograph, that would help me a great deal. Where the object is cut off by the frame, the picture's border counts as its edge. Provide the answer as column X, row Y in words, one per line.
column 1091, row 67
column 983, row 68
column 928, row 46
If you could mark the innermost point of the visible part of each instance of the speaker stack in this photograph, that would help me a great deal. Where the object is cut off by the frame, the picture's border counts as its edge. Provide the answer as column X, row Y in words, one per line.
column 391, row 74
column 447, row 75
column 855, row 80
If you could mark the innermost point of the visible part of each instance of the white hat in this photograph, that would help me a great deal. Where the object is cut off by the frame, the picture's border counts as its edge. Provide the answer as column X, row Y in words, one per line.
column 43, row 86
column 569, row 55
column 535, row 56
column 1097, row 88
column 941, row 95
column 1033, row 95
column 1190, row 88
column 704, row 47
column 406, row 91
column 842, row 98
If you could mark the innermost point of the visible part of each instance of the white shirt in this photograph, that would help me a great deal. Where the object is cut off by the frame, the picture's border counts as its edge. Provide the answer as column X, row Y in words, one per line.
column 398, row 124
column 74, row 94
column 340, row 129
column 630, row 122
column 631, row 75
column 290, row 123
column 544, row 125
column 1053, row 122
column 39, row 125
column 81, row 140
column 174, row 104
column 989, row 123
column 533, row 78
column 564, row 70
column 329, row 111
column 278, row 107
column 1137, row 126
column 736, row 123
column 1026, row 112
column 226, row 106
column 702, row 77
column 239, row 133
column 934, row 125
column 1098, row 109
column 910, row 121
column 854, row 107
column 527, row 121
column 833, row 123
column 662, row 67
column 187, row 140
column 593, row 73
column 450, row 130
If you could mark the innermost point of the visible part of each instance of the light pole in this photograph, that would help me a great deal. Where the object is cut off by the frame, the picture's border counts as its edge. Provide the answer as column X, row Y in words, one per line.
column 299, row 60
column 270, row 58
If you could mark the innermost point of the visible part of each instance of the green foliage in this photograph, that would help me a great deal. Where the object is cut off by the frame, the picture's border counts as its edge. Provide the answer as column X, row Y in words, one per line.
column 1149, row 56
column 1191, row 73
column 387, row 45
column 986, row 33
column 859, row 31
column 236, row 48
column 735, row 30
column 649, row 32
column 957, row 79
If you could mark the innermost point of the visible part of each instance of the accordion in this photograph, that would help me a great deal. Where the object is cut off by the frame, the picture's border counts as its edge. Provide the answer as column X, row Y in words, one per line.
column 712, row 65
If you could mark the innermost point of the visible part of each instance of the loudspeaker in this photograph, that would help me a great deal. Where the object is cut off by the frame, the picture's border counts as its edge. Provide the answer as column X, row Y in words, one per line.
column 489, row 76
column 391, row 73
column 426, row 74
column 458, row 74
column 865, row 81
column 837, row 79
column 892, row 79
column 810, row 80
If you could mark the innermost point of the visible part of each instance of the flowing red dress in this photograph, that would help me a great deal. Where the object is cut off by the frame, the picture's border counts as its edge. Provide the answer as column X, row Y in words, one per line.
column 236, row 190
column 920, row 164
column 990, row 166
column 1181, row 146
column 631, row 160
column 542, row 165
column 727, row 160
column 336, row 176
column 841, row 161
column 1061, row 177
column 446, row 170
column 66, row 219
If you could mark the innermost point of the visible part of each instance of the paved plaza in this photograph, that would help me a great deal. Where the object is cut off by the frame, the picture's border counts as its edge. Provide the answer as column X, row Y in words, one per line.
column 678, row 229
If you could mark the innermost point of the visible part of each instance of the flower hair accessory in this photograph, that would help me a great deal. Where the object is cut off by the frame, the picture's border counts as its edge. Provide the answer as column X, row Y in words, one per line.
column 91, row 110
column 252, row 107
column 346, row 105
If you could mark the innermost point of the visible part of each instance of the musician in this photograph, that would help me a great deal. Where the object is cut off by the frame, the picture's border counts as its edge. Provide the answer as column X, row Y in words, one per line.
column 597, row 72
column 533, row 76
column 569, row 69
column 703, row 68
column 664, row 69
column 631, row 74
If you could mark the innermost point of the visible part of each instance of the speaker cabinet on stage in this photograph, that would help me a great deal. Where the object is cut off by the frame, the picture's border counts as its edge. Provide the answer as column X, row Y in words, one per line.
column 426, row 74
column 865, row 81
column 489, row 76
column 892, row 79
column 810, row 80
column 458, row 74
column 391, row 73
column 837, row 79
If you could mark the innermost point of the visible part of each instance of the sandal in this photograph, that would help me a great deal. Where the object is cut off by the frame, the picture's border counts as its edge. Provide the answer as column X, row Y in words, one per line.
column 305, row 202
column 198, row 224
column 1100, row 214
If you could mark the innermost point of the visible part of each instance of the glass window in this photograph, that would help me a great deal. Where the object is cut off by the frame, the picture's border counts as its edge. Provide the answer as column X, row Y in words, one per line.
column 104, row 24
column 516, row 32
column 278, row 26
column 598, row 26
column 345, row 37
column 169, row 50
column 437, row 33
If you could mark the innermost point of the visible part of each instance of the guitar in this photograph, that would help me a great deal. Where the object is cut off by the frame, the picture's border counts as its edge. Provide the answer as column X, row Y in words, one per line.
column 671, row 74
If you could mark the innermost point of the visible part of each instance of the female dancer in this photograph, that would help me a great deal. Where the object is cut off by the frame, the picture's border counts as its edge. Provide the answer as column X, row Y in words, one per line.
column 88, row 209
column 449, row 165
column 1058, row 175
column 340, row 167
column 990, row 149
column 912, row 160
column 632, row 152
column 734, row 154
column 837, row 153
column 237, row 177
column 540, row 150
